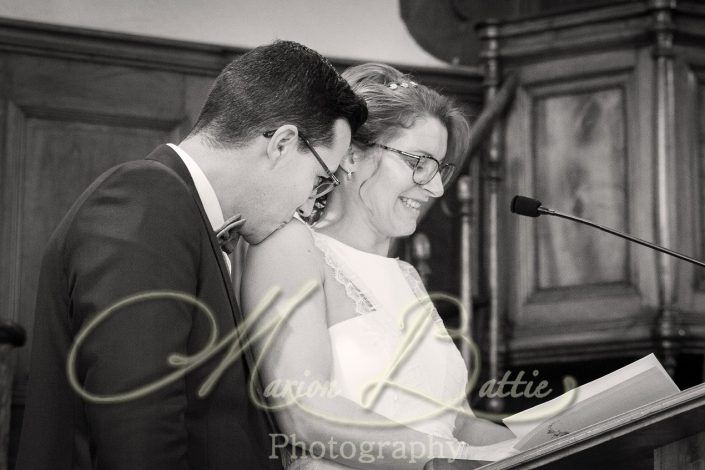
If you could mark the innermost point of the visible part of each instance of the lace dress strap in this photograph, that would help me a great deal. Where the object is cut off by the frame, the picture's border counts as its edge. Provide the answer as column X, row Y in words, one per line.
column 413, row 278
column 345, row 276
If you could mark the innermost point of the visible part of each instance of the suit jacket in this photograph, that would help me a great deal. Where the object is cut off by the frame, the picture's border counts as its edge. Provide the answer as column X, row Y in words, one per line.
column 139, row 227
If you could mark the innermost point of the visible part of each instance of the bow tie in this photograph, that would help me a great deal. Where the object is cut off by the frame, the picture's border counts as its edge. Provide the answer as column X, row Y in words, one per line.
column 228, row 234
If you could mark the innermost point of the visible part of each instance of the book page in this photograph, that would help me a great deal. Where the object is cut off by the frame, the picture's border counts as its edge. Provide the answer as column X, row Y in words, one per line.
column 634, row 385
column 637, row 391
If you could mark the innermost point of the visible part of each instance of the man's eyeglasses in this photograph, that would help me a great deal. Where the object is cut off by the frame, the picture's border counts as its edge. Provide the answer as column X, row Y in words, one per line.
column 327, row 184
column 425, row 167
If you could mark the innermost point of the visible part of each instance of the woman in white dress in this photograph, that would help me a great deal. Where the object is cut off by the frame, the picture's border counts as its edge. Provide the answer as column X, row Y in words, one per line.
column 360, row 370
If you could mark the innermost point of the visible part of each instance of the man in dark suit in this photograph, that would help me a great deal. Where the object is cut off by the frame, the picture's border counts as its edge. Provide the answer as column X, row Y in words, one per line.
column 275, row 126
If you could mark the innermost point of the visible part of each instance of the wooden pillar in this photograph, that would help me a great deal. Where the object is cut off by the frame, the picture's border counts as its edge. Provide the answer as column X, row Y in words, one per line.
column 667, row 323
column 420, row 254
column 465, row 200
column 492, row 165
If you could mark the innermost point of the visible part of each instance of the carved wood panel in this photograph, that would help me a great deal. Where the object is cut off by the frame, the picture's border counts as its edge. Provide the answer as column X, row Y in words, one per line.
column 580, row 168
column 574, row 142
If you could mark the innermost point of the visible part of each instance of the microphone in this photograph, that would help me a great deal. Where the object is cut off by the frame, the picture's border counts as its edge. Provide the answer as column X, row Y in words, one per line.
column 530, row 207
column 527, row 206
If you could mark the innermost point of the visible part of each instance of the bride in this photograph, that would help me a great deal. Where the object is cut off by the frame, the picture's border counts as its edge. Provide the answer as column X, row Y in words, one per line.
column 359, row 368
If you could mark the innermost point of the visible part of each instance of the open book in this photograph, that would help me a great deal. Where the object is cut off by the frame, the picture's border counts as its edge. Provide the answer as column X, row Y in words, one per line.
column 640, row 383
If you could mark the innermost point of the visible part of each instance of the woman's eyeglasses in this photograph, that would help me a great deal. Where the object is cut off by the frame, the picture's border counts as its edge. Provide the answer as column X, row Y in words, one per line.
column 327, row 184
column 425, row 167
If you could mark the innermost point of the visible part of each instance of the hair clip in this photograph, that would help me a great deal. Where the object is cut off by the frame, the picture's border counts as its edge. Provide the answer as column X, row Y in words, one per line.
column 395, row 85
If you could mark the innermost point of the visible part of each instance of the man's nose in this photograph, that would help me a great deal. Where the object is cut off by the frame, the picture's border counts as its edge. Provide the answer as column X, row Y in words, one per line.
column 306, row 208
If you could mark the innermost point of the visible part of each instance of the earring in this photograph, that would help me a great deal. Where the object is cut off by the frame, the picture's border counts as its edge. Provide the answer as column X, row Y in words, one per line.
column 348, row 173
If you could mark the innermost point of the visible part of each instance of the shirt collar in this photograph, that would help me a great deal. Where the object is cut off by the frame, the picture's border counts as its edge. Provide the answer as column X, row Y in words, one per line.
column 203, row 187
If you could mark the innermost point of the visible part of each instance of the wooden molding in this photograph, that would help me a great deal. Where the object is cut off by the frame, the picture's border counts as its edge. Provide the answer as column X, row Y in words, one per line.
column 114, row 48
column 597, row 29
column 116, row 120
column 95, row 46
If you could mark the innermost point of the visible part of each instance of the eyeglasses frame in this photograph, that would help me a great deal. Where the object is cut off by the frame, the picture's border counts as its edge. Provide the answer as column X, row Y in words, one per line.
column 331, row 178
column 418, row 158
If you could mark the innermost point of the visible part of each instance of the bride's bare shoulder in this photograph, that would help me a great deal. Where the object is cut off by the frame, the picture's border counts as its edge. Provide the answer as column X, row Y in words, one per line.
column 286, row 260
column 291, row 244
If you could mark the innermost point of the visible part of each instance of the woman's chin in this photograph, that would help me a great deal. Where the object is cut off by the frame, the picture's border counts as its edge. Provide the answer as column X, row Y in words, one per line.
column 405, row 229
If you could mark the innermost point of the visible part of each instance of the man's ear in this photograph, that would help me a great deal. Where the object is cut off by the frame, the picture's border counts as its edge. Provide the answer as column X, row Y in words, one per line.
column 356, row 152
column 282, row 144
column 347, row 164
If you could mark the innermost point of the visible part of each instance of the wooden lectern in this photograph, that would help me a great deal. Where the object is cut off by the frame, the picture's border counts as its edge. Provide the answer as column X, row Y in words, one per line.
column 664, row 435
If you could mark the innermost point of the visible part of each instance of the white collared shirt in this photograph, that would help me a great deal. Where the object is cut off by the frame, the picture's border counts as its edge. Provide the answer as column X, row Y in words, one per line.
column 206, row 193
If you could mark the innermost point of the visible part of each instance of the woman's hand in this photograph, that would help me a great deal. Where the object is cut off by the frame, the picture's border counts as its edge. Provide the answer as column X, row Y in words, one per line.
column 478, row 431
column 498, row 451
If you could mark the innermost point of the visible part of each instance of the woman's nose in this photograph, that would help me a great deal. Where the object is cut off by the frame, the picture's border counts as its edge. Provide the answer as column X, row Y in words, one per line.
column 435, row 186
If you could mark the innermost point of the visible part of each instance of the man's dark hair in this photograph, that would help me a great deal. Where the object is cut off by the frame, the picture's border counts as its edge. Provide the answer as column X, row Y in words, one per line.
column 269, row 86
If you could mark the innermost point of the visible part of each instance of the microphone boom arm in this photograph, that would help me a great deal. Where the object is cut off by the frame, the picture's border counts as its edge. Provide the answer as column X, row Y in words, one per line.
column 547, row 211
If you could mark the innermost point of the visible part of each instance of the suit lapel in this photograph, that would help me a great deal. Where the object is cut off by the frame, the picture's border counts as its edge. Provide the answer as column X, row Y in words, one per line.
column 168, row 157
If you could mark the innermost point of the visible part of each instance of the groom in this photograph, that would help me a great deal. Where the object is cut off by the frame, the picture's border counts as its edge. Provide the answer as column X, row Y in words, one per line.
column 276, row 123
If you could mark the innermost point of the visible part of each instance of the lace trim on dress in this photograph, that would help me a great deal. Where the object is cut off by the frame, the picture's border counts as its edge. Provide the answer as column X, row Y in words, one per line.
column 344, row 276
column 414, row 280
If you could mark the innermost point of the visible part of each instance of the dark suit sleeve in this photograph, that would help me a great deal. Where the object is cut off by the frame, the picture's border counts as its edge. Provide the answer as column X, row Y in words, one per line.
column 138, row 232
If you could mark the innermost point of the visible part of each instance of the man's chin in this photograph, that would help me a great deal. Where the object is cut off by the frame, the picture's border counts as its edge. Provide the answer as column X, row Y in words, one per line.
column 253, row 238
column 256, row 238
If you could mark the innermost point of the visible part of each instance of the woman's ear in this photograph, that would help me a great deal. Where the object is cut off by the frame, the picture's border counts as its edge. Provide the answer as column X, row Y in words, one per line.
column 282, row 144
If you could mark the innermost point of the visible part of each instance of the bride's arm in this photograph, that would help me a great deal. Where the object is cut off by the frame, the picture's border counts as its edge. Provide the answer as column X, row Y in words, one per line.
column 299, row 357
